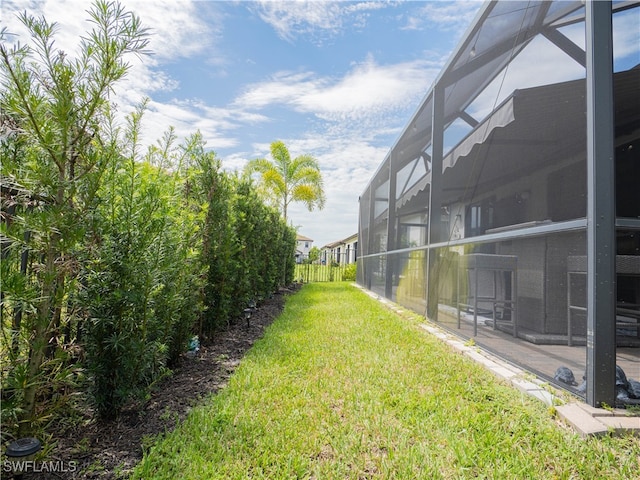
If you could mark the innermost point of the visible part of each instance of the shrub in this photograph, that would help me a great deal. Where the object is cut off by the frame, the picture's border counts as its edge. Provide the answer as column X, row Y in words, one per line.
column 349, row 274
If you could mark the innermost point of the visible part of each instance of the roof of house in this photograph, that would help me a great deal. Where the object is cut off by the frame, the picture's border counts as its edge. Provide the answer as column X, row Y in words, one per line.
column 344, row 241
column 302, row 238
column 351, row 238
column 333, row 244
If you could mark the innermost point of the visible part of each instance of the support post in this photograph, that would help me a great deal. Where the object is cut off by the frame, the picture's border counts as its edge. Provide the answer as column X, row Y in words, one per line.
column 601, row 238
column 435, row 200
column 372, row 217
column 391, row 228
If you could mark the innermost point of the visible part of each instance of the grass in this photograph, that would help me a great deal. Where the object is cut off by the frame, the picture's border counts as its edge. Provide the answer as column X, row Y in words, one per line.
column 340, row 387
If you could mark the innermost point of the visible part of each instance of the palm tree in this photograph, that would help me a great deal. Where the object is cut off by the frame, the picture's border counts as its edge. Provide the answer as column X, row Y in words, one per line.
column 283, row 180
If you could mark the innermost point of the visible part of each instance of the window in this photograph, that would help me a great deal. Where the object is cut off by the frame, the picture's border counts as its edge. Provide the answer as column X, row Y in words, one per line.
column 479, row 218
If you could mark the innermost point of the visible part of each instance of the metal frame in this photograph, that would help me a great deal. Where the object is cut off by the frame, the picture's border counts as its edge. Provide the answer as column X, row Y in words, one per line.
column 601, row 211
column 434, row 115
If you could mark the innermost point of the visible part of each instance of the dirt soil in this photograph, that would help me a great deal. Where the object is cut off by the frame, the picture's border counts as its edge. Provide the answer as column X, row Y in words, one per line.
column 110, row 450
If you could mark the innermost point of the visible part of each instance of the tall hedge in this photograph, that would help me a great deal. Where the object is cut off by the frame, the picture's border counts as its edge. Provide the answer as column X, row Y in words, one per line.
column 113, row 256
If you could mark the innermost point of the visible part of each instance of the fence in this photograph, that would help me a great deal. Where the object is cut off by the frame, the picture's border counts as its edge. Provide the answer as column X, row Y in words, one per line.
column 308, row 273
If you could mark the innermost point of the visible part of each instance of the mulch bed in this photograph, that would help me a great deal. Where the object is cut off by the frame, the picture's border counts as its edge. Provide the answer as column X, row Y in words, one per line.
column 110, row 450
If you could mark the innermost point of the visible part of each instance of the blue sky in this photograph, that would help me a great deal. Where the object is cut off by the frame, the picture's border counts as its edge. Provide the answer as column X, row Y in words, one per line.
column 336, row 80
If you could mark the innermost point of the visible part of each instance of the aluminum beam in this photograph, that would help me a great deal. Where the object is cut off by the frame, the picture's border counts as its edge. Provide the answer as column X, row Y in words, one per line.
column 601, row 221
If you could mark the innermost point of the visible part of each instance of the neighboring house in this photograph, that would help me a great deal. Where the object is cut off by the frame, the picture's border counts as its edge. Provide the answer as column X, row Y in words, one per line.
column 303, row 245
column 342, row 251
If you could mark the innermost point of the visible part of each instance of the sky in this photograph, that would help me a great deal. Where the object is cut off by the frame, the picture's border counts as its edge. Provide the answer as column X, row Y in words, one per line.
column 335, row 80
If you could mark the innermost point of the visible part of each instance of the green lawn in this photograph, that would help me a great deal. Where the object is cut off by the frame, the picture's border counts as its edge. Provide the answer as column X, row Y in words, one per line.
column 340, row 387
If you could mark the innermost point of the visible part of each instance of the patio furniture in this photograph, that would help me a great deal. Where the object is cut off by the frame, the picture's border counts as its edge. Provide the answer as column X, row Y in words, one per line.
column 627, row 314
column 470, row 267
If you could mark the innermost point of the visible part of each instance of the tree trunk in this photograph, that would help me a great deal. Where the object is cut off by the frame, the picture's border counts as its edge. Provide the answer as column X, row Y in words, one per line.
column 40, row 338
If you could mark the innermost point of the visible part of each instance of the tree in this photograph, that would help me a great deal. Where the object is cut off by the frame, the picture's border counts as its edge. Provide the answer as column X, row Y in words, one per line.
column 58, row 105
column 314, row 255
column 283, row 180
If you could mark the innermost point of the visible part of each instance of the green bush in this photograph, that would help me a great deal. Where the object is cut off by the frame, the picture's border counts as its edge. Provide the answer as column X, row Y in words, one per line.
column 349, row 274
column 56, row 109
column 112, row 259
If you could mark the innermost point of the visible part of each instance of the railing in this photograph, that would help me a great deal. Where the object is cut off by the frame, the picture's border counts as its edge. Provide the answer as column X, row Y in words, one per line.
column 307, row 272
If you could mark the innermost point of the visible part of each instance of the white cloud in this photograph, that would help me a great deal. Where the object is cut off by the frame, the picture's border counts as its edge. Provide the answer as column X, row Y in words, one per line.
column 353, row 105
column 189, row 116
column 347, row 122
column 313, row 19
column 281, row 88
column 371, row 89
column 367, row 91
column 290, row 19
column 626, row 35
column 178, row 28
column 69, row 15
column 446, row 16
column 352, row 169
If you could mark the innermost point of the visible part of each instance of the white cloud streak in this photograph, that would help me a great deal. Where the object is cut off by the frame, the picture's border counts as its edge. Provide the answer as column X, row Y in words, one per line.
column 368, row 90
column 178, row 28
column 312, row 19
column 447, row 16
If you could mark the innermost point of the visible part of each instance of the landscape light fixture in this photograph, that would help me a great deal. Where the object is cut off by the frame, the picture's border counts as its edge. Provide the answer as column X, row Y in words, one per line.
column 20, row 452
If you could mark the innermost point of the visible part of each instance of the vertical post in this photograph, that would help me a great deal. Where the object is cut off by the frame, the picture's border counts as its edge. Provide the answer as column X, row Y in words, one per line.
column 435, row 199
column 601, row 238
column 391, row 227
column 372, row 209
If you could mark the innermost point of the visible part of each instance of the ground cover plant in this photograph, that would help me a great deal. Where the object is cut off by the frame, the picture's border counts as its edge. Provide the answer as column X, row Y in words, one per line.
column 109, row 449
column 342, row 387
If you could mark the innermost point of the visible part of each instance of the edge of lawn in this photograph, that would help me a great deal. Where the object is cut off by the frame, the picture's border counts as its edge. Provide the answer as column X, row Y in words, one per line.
column 341, row 386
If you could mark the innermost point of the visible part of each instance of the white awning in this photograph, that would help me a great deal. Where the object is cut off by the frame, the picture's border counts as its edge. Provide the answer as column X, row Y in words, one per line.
column 502, row 117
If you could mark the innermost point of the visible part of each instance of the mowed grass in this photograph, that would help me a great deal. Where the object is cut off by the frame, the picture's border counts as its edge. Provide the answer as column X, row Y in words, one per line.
column 340, row 387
